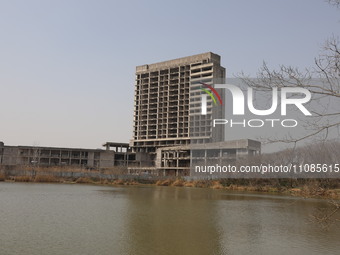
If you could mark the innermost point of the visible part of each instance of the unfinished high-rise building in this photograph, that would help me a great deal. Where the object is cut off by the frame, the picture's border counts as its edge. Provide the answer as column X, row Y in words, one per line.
column 170, row 128
column 168, row 111
column 167, row 102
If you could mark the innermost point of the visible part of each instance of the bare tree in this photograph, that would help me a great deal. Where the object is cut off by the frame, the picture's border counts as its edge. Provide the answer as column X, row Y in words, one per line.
column 34, row 163
column 323, row 81
column 334, row 2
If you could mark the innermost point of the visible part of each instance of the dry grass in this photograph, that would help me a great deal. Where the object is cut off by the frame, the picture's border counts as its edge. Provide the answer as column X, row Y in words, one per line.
column 321, row 188
column 217, row 185
column 201, row 184
column 189, row 184
column 104, row 181
column 125, row 182
column 84, row 180
column 119, row 182
column 22, row 178
column 166, row 182
column 46, row 178
column 132, row 183
column 178, row 183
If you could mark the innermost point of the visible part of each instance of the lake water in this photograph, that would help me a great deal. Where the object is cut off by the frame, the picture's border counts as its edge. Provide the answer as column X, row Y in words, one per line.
column 84, row 219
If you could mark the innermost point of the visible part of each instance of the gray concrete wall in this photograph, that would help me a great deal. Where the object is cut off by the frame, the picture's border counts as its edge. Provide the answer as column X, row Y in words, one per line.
column 90, row 159
column 106, row 159
column 10, row 156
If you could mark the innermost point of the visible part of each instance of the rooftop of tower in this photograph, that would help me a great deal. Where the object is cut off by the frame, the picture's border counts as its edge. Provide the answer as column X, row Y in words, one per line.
column 209, row 56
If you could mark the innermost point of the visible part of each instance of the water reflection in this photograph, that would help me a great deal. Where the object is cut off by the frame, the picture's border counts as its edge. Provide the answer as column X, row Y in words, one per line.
column 172, row 221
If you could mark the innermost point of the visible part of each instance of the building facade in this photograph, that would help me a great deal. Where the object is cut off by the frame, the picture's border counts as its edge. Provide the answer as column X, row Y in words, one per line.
column 73, row 157
column 168, row 115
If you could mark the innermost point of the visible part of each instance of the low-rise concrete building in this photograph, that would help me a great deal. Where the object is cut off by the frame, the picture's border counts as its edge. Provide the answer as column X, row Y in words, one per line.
column 178, row 160
column 75, row 157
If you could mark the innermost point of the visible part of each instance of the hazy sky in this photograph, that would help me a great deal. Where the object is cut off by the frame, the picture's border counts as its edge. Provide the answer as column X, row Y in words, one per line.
column 67, row 67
